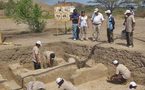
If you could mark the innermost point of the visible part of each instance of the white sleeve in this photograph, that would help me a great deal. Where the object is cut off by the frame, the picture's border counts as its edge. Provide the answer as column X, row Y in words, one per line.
column 117, row 71
column 102, row 18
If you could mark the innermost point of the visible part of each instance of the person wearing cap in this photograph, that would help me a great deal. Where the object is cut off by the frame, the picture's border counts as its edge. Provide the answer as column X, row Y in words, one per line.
column 132, row 85
column 36, row 55
column 110, row 26
column 65, row 85
column 36, row 85
column 83, row 24
column 74, row 17
column 129, row 27
column 97, row 20
column 132, row 10
column 49, row 57
column 122, row 73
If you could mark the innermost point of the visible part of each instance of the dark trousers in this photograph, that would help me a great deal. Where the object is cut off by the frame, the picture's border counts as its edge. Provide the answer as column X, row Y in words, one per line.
column 37, row 65
column 129, row 38
column 117, row 79
column 110, row 35
column 78, row 32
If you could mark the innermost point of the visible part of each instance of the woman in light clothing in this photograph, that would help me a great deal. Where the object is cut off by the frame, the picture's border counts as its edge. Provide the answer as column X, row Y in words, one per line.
column 83, row 25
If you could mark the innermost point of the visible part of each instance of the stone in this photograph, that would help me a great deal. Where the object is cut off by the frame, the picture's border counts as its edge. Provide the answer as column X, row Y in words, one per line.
column 71, row 60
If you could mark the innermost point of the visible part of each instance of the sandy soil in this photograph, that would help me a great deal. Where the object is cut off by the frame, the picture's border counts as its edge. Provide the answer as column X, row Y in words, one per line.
column 15, row 33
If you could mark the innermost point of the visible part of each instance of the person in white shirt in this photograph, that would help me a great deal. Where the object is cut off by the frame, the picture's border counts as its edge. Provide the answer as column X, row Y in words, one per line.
column 83, row 24
column 132, row 85
column 49, row 57
column 97, row 20
column 36, row 55
column 65, row 85
column 122, row 73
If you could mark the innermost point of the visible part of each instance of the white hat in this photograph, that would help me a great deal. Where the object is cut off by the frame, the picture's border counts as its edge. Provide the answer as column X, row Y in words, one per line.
column 39, row 42
column 108, row 11
column 96, row 10
column 115, row 62
column 127, row 11
column 133, row 83
column 58, row 80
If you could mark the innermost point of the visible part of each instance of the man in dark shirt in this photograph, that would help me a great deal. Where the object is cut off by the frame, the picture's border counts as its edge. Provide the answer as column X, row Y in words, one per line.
column 75, row 18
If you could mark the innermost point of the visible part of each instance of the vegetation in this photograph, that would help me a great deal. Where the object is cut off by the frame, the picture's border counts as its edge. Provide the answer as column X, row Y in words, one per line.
column 140, row 12
column 112, row 4
column 10, row 8
column 2, row 5
column 25, row 11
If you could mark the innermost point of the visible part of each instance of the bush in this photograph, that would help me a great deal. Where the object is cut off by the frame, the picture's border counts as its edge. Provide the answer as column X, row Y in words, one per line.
column 10, row 7
column 140, row 12
column 2, row 5
column 25, row 11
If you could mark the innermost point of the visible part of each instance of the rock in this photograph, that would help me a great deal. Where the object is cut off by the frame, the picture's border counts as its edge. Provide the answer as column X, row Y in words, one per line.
column 71, row 60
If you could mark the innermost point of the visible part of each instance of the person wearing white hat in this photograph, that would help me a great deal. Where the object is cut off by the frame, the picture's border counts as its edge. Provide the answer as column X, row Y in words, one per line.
column 132, row 85
column 97, row 20
column 36, row 85
column 36, row 55
column 49, row 57
column 122, row 73
column 65, row 85
column 110, row 26
column 129, row 27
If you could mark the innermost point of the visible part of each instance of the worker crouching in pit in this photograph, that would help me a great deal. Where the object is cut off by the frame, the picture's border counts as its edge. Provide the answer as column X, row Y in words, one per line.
column 122, row 74
column 49, row 59
column 65, row 85
column 132, row 85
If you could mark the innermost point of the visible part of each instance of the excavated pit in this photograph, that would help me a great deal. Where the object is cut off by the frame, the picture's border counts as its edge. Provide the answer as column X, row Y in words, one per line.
column 133, row 60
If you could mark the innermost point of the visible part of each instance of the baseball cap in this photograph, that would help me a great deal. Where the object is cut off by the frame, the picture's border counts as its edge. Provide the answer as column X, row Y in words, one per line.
column 115, row 62
column 39, row 42
column 58, row 80
column 108, row 11
column 133, row 84
column 127, row 11
column 96, row 10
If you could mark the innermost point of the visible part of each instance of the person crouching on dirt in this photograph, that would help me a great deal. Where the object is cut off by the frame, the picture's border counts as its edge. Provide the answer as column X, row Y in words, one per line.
column 49, row 57
column 122, row 73
column 36, row 55
column 65, row 85
column 132, row 86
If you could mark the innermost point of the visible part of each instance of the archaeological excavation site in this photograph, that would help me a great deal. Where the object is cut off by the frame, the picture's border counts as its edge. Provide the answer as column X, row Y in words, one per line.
column 86, row 66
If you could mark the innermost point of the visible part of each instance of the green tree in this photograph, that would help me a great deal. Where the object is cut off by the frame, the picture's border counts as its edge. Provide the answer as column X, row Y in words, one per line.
column 2, row 5
column 27, row 12
column 112, row 4
column 9, row 8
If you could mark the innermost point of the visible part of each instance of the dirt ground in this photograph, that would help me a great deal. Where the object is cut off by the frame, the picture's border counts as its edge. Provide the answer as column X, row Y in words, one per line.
column 22, row 41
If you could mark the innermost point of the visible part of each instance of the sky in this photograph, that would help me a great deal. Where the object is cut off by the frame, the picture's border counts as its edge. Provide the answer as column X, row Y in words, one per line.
column 51, row 2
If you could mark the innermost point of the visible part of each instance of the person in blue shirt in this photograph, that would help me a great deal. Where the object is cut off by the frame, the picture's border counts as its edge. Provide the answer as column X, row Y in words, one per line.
column 75, row 20
column 110, row 26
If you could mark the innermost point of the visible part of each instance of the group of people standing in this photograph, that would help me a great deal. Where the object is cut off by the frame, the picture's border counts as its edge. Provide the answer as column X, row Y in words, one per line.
column 80, row 25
